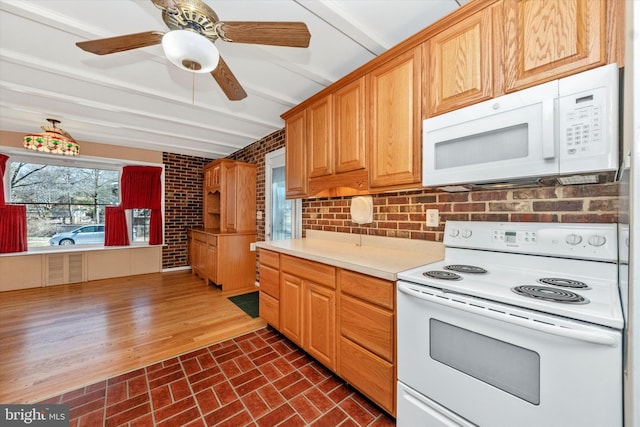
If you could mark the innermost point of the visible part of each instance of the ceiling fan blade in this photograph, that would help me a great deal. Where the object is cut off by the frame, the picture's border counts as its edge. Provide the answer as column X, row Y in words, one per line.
column 121, row 43
column 291, row 34
column 228, row 82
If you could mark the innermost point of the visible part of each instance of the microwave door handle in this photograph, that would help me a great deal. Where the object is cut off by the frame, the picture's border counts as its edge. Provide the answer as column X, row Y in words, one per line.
column 587, row 336
column 548, row 128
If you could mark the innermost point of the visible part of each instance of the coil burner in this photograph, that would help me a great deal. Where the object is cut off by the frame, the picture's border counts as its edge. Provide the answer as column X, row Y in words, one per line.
column 444, row 275
column 550, row 294
column 463, row 268
column 563, row 283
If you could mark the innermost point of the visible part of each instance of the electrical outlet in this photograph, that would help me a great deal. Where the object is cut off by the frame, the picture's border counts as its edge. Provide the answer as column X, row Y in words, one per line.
column 433, row 218
column 252, row 247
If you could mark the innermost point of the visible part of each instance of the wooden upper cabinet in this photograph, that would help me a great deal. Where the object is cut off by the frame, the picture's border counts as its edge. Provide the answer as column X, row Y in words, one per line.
column 459, row 64
column 229, row 200
column 296, row 155
column 548, row 39
column 349, row 127
column 231, row 197
column 395, row 121
column 319, row 138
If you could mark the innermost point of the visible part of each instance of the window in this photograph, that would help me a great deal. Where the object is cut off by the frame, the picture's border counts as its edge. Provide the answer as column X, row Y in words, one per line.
column 66, row 200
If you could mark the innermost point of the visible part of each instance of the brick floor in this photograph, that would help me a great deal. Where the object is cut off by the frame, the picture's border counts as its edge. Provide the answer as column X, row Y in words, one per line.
column 259, row 379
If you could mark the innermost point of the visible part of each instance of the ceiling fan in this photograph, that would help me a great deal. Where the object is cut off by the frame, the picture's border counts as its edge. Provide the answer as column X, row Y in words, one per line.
column 190, row 43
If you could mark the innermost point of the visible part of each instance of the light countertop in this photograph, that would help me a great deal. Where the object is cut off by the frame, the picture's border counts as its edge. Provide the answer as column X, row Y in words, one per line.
column 382, row 257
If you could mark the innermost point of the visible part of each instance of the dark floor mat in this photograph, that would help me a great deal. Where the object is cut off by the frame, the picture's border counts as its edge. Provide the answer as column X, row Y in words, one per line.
column 249, row 303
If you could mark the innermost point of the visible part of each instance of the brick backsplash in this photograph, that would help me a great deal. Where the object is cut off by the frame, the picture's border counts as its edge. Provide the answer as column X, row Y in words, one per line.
column 398, row 214
column 403, row 214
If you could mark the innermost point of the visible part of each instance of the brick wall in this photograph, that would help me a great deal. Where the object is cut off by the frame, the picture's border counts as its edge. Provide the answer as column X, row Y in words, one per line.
column 403, row 214
column 183, row 205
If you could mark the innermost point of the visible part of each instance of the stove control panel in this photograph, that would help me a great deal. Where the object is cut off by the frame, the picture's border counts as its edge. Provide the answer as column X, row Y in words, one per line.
column 571, row 240
column 512, row 237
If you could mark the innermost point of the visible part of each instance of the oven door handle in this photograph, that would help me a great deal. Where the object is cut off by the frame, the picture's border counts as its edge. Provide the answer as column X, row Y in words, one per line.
column 587, row 336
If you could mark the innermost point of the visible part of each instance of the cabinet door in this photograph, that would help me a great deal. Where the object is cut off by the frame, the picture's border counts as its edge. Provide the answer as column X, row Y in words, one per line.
column 320, row 323
column 230, row 198
column 349, row 130
column 547, row 39
column 296, row 157
column 461, row 64
column 319, row 138
column 394, row 97
column 291, row 301
column 211, row 264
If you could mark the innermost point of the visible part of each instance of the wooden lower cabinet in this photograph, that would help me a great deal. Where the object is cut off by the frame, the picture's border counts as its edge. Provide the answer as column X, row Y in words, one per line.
column 345, row 320
column 319, row 335
column 270, row 287
column 368, row 336
column 308, row 307
column 224, row 259
column 372, row 375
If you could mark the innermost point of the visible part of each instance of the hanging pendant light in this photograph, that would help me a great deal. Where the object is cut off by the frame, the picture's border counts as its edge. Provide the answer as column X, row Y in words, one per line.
column 53, row 140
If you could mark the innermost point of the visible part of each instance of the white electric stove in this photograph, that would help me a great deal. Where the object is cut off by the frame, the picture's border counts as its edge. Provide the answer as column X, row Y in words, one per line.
column 520, row 324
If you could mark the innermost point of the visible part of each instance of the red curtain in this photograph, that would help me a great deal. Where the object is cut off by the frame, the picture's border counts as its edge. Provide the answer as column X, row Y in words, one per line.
column 142, row 189
column 13, row 228
column 115, row 227
column 13, row 220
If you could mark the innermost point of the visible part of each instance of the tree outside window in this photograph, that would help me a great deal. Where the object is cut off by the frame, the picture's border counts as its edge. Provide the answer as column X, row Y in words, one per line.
column 60, row 199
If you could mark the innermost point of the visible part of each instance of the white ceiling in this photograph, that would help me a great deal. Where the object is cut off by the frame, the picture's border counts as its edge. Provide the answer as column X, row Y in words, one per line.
column 139, row 99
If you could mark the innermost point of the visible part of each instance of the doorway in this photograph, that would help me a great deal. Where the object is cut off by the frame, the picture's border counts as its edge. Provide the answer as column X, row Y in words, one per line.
column 283, row 217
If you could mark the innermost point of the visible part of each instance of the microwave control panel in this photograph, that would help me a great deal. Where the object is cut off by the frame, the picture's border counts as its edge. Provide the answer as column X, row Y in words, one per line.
column 581, row 124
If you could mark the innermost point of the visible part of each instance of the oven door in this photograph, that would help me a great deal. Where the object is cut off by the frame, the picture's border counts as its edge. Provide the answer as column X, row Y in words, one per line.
column 497, row 365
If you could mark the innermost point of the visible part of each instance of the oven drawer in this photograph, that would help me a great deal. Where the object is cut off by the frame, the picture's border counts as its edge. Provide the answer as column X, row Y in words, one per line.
column 370, row 374
column 415, row 409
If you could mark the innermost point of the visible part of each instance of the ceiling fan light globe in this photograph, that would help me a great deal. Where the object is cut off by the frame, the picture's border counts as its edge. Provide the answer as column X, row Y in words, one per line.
column 186, row 47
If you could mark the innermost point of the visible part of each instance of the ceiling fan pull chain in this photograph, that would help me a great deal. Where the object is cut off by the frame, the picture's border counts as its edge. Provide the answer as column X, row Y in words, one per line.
column 193, row 88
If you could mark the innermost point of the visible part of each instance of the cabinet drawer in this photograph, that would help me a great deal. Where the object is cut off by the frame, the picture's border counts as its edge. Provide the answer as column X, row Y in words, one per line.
column 212, row 240
column 272, row 259
column 373, row 376
column 369, row 326
column 310, row 270
column 199, row 237
column 270, row 281
column 374, row 290
column 270, row 309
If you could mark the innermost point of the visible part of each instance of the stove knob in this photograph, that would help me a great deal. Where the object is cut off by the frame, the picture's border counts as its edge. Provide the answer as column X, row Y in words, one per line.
column 454, row 232
column 597, row 240
column 466, row 233
column 573, row 239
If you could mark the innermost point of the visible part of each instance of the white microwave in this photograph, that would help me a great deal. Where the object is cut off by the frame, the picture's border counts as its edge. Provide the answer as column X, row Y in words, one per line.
column 564, row 127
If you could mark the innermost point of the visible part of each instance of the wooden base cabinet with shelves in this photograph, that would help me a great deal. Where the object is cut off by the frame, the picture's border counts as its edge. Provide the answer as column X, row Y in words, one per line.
column 344, row 319
column 225, row 260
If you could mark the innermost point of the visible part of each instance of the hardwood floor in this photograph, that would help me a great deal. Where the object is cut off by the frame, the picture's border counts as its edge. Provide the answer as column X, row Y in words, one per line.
column 60, row 338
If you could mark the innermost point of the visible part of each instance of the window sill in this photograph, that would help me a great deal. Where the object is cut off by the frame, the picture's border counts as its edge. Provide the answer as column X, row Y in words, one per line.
column 79, row 248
